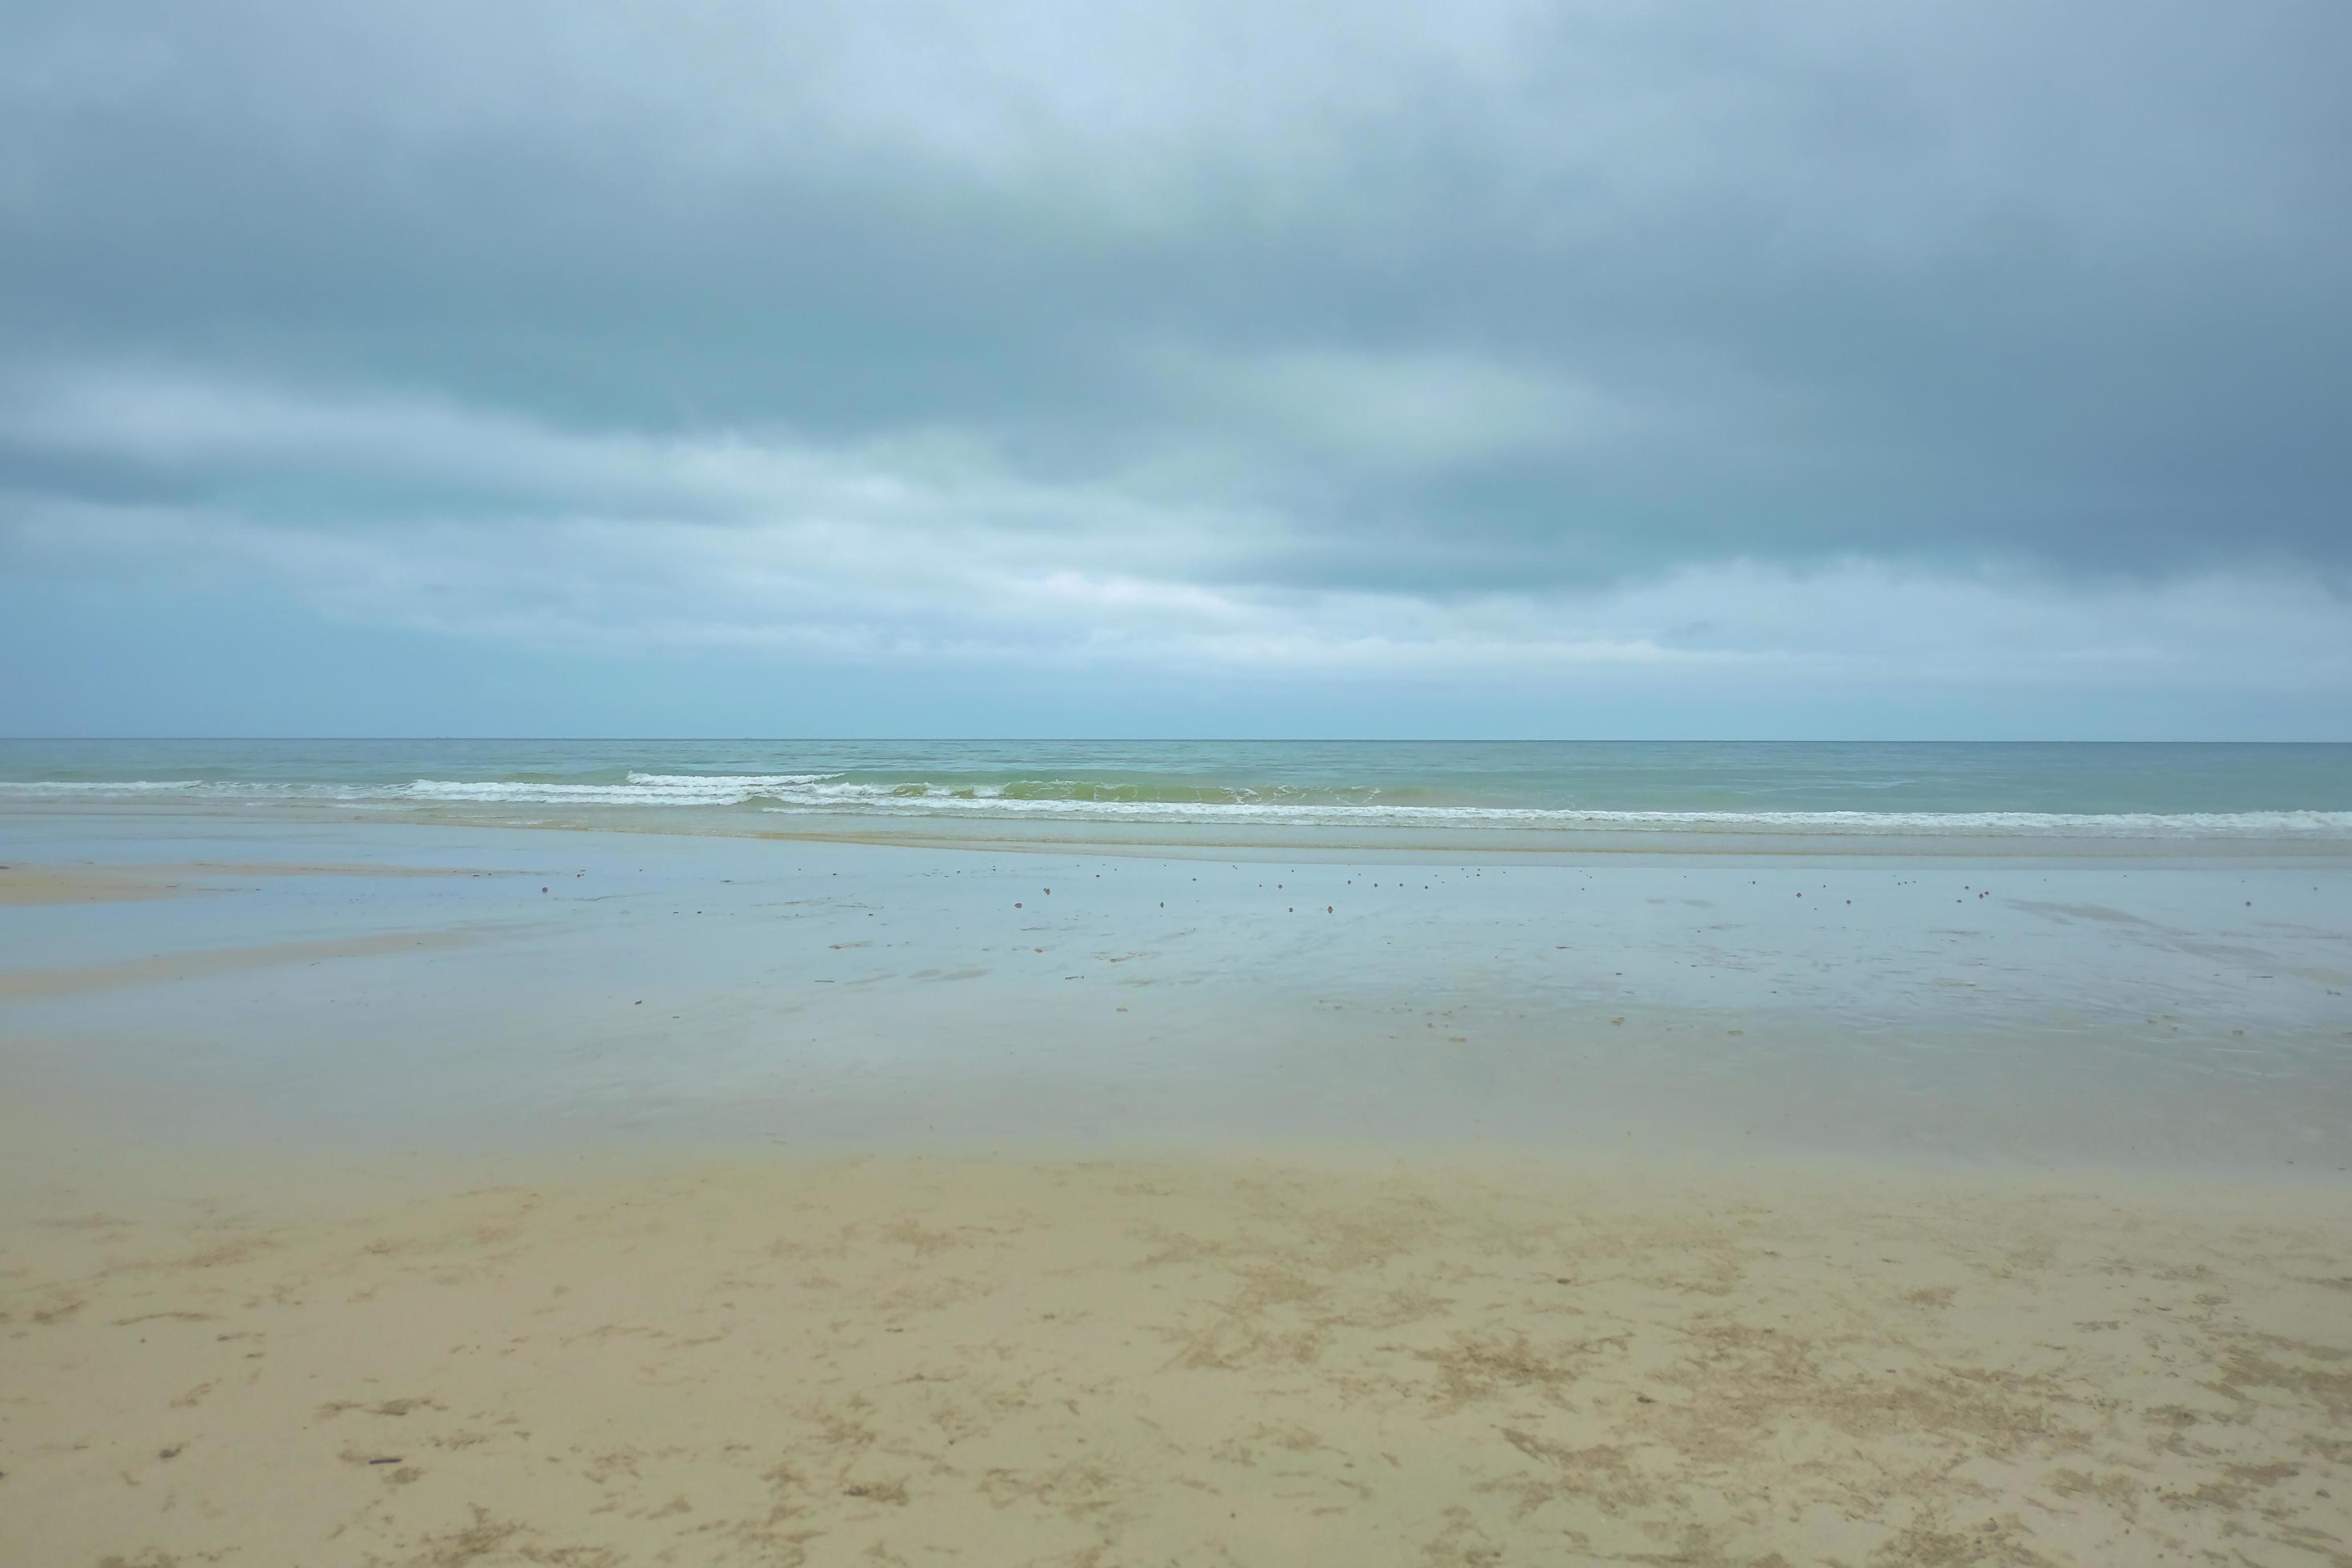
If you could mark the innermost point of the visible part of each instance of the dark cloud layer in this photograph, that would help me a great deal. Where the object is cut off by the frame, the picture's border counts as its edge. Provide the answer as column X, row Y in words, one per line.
column 1411, row 302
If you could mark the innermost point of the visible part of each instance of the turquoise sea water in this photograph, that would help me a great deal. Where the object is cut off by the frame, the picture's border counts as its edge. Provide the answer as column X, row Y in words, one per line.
column 2289, row 792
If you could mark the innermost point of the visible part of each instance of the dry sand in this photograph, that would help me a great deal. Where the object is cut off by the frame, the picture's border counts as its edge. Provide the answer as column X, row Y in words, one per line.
column 906, row 1361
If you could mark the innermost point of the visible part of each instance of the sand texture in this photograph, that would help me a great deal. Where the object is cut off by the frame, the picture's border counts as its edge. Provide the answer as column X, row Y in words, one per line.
column 45, row 883
column 901, row 1361
column 36, row 983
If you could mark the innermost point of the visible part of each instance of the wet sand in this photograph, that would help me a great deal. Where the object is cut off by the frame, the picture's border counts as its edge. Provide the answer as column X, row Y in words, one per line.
column 50, row 882
column 414, row 1196
column 472, row 987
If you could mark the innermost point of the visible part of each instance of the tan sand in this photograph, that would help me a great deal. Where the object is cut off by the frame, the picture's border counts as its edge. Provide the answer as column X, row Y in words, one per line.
column 27, row 885
column 901, row 1361
column 22, row 985
column 32, row 886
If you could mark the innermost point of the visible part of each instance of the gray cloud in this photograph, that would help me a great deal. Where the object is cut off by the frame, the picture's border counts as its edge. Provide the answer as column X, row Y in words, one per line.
column 1191, row 321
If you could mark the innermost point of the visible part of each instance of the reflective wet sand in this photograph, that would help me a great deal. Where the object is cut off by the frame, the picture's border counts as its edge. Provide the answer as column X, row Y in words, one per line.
column 474, row 987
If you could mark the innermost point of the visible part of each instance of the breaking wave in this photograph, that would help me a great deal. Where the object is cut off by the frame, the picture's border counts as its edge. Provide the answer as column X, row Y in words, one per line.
column 1163, row 801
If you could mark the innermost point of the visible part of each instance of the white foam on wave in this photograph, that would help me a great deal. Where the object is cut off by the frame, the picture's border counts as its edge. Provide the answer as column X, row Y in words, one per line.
column 881, row 801
column 807, row 793
column 696, row 780
column 642, row 789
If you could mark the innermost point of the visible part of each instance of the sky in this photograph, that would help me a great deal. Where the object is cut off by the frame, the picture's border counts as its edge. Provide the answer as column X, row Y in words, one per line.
column 1735, row 368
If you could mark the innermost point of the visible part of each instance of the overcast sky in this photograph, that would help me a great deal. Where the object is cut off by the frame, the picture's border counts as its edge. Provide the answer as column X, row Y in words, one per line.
column 1596, row 368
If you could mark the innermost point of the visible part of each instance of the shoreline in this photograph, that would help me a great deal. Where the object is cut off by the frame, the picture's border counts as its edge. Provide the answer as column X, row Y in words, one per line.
column 1331, row 843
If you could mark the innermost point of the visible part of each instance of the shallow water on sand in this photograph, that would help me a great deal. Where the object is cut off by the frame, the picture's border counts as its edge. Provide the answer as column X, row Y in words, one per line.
column 558, row 988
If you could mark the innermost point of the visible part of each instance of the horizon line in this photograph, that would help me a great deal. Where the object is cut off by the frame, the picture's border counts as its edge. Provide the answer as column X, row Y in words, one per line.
column 1209, row 740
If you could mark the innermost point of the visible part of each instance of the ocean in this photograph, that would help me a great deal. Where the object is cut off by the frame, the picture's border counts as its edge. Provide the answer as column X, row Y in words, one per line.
column 1522, row 794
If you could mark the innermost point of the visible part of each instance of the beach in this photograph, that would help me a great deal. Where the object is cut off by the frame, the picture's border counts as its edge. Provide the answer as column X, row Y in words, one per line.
column 897, row 1358
column 899, row 785
column 418, row 1192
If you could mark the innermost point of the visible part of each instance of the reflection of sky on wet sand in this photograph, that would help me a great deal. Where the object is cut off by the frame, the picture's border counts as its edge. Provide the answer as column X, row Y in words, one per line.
column 671, row 989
